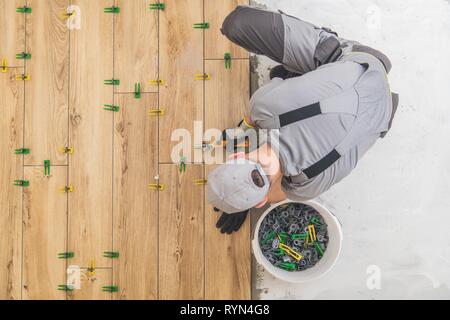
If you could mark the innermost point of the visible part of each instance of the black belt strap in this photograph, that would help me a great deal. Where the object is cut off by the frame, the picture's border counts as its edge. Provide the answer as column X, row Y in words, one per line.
column 299, row 114
column 322, row 165
column 303, row 113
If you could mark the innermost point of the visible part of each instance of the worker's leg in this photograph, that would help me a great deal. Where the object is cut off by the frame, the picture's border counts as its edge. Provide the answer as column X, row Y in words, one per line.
column 378, row 54
column 280, row 71
column 259, row 31
column 297, row 44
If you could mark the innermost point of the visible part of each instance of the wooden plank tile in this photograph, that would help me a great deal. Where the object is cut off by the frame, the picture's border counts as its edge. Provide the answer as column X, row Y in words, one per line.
column 226, row 96
column 91, row 132
column 12, row 35
column 46, row 94
column 11, row 137
column 181, row 236
column 45, row 234
column 135, row 206
column 181, row 57
column 217, row 44
column 227, row 259
column 91, row 286
column 136, row 46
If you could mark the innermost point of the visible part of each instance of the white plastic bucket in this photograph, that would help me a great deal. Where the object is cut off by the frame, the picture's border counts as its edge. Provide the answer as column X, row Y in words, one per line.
column 324, row 265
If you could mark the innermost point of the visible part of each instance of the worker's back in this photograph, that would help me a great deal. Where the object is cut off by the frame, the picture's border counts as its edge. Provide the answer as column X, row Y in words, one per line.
column 353, row 96
column 324, row 120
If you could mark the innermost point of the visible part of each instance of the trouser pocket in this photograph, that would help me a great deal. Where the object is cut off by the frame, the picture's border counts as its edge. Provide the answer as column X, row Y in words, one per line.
column 328, row 50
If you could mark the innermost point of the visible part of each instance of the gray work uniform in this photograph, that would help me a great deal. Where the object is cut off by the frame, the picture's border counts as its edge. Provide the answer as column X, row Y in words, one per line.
column 323, row 122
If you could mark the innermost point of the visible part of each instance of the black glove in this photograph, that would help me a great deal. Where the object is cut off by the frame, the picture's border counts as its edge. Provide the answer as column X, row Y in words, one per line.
column 228, row 223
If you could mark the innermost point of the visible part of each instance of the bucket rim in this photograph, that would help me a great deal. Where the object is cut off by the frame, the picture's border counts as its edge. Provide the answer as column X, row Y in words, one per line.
column 286, row 275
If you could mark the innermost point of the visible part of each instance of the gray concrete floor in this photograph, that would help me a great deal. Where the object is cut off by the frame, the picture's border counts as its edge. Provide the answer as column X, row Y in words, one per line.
column 394, row 207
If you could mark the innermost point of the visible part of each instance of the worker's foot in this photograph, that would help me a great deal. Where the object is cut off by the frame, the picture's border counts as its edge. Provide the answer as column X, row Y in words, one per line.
column 280, row 72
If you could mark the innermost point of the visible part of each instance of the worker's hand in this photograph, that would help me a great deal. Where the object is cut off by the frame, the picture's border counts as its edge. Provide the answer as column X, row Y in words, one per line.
column 230, row 222
column 240, row 137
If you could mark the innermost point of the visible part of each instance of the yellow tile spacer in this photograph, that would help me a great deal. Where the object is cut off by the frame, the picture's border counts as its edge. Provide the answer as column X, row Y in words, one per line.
column 67, row 15
column 297, row 256
column 156, row 112
column 23, row 77
column 66, row 150
column 312, row 232
column 200, row 182
column 66, row 189
column 202, row 76
column 307, row 240
column 247, row 123
column 4, row 66
column 158, row 82
column 91, row 269
column 156, row 186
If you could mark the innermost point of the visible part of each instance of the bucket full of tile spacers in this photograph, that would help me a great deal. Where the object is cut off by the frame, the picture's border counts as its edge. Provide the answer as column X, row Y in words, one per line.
column 297, row 242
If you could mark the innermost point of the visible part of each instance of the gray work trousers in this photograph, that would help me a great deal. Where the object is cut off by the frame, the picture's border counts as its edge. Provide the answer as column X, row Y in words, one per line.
column 298, row 45
column 264, row 32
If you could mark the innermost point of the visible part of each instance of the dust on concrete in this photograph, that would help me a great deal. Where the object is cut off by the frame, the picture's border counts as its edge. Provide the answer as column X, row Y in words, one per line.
column 255, row 214
column 257, row 270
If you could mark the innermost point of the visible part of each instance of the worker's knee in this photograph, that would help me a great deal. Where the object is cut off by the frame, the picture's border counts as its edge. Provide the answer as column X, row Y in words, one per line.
column 378, row 54
column 259, row 31
column 235, row 24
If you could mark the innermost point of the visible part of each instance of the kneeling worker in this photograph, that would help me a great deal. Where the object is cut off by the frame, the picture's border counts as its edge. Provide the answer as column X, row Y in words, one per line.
column 326, row 104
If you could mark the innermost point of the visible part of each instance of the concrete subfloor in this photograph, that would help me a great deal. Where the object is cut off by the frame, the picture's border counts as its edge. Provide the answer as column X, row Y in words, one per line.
column 394, row 207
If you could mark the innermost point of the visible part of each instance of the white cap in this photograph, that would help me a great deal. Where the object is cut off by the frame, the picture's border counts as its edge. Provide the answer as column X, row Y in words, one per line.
column 231, row 187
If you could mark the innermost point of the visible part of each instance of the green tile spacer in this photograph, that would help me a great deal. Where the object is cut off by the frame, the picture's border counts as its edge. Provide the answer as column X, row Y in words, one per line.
column 227, row 58
column 111, row 254
column 112, row 9
column 65, row 287
column 182, row 164
column 47, row 167
column 301, row 236
column 283, row 236
column 110, row 107
column 278, row 252
column 23, row 56
column 157, row 6
column 201, row 25
column 315, row 220
column 288, row 266
column 269, row 237
column 112, row 82
column 110, row 289
column 137, row 90
column 22, row 151
column 22, row 183
column 66, row 255
column 24, row 9
column 318, row 248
